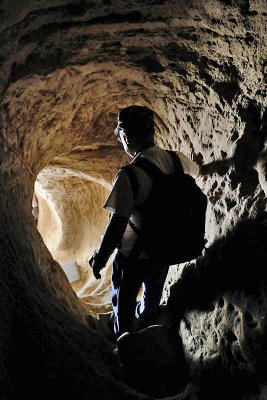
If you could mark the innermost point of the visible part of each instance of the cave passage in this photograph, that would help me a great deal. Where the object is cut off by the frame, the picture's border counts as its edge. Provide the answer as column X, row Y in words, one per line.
column 71, row 220
column 67, row 69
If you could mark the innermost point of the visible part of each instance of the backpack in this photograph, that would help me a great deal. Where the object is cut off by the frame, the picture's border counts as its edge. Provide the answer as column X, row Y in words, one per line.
column 173, row 226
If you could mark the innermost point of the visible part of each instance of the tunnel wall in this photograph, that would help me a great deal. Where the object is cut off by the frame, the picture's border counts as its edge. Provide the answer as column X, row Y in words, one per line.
column 66, row 70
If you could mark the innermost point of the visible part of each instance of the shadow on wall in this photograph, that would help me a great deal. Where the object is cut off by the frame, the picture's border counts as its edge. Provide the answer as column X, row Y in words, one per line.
column 247, row 152
column 44, row 336
column 234, row 269
column 236, row 261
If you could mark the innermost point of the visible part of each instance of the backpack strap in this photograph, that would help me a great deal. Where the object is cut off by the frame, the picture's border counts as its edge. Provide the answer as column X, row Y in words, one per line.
column 153, row 172
column 132, row 178
column 149, row 167
column 178, row 168
column 134, row 185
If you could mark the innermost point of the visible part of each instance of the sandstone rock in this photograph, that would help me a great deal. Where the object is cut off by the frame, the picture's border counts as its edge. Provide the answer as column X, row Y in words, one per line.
column 67, row 68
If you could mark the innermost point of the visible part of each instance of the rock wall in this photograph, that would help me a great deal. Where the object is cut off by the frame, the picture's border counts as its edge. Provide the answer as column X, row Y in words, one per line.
column 67, row 68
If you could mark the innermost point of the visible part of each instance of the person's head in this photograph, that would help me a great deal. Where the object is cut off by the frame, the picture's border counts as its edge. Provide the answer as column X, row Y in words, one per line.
column 135, row 128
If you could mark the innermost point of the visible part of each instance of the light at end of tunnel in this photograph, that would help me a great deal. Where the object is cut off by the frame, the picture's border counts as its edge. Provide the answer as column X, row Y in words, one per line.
column 71, row 270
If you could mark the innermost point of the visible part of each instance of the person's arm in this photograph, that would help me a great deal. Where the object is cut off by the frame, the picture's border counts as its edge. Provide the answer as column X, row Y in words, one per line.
column 200, row 171
column 110, row 240
column 201, row 168
column 120, row 203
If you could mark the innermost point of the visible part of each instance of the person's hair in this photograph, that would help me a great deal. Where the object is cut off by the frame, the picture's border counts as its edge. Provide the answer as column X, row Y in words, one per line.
column 137, row 122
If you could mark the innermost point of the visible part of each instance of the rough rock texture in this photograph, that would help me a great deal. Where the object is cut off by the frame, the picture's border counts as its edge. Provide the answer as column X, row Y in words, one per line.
column 67, row 68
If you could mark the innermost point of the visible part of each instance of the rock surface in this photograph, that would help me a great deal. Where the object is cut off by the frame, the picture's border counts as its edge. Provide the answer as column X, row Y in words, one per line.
column 67, row 68
column 153, row 361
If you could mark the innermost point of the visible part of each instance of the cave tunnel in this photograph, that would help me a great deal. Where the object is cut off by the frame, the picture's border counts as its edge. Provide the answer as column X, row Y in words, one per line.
column 67, row 69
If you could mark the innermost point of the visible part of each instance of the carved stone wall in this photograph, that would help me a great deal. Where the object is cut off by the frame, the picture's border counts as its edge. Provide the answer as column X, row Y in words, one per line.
column 67, row 68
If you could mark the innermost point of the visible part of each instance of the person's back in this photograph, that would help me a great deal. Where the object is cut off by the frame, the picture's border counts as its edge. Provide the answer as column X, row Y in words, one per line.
column 136, row 132
column 169, row 216
column 161, row 159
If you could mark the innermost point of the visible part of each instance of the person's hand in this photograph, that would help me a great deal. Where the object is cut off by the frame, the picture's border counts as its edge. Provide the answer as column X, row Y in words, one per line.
column 96, row 271
column 193, row 157
column 96, row 265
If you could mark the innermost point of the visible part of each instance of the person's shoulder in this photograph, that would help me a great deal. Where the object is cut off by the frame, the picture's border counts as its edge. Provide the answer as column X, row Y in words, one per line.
column 189, row 166
column 121, row 175
column 153, row 153
column 158, row 149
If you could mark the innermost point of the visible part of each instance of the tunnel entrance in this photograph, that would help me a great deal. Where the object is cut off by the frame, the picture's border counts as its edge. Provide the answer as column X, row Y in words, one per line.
column 70, row 221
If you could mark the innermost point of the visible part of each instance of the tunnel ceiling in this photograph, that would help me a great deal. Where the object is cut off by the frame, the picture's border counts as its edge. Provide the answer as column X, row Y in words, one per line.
column 67, row 69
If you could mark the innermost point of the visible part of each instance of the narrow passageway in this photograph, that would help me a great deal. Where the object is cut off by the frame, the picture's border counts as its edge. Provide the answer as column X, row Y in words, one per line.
column 71, row 220
column 67, row 69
